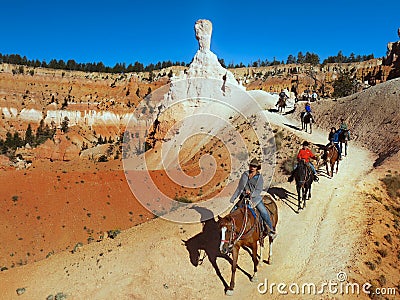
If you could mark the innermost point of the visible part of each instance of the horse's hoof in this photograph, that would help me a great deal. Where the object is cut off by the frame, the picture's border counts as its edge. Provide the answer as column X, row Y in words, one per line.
column 254, row 278
column 270, row 261
column 229, row 292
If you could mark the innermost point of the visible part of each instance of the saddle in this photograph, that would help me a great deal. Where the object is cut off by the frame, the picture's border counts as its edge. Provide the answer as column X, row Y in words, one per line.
column 260, row 223
column 310, row 171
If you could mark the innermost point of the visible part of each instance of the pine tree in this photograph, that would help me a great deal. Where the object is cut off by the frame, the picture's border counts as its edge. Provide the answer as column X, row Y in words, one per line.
column 64, row 125
column 29, row 138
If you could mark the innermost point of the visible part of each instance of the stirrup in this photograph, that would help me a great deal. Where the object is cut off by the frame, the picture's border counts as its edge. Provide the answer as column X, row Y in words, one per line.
column 273, row 235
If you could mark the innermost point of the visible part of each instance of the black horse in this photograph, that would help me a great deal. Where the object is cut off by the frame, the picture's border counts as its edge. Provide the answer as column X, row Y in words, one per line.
column 343, row 138
column 306, row 118
column 304, row 179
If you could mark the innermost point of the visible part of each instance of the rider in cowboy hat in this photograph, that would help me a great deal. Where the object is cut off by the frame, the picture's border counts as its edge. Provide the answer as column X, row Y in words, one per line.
column 251, row 185
column 305, row 154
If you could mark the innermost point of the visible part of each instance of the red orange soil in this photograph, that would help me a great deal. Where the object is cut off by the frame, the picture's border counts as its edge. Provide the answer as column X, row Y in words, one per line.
column 53, row 206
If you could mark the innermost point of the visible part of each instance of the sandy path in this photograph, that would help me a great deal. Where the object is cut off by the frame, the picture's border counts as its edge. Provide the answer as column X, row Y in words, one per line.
column 151, row 262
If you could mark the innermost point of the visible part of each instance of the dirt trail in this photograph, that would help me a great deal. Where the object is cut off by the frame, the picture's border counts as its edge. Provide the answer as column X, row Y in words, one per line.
column 150, row 261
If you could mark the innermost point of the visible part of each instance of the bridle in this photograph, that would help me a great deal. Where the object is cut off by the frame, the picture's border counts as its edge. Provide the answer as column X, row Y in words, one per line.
column 330, row 153
column 234, row 237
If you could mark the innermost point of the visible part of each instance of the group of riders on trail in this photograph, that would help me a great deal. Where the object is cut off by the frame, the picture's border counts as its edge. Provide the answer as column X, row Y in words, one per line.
column 251, row 182
column 334, row 136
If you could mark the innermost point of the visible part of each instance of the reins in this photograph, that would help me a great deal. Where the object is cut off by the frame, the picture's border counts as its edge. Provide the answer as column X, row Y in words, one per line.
column 233, row 239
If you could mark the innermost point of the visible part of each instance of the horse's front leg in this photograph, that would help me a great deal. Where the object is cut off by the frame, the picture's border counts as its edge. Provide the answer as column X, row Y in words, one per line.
column 270, row 250
column 305, row 191
column 255, row 262
column 298, row 198
column 235, row 254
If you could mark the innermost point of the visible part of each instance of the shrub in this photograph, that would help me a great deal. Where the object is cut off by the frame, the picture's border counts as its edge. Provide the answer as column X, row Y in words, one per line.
column 388, row 238
column 182, row 199
column 343, row 86
column 371, row 265
column 392, row 184
column 382, row 252
column 113, row 233
column 102, row 158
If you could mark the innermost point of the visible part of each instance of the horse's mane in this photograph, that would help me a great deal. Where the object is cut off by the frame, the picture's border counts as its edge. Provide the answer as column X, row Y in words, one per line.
column 228, row 218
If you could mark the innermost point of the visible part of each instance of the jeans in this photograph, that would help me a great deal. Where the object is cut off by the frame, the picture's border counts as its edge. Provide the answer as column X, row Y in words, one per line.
column 312, row 168
column 264, row 214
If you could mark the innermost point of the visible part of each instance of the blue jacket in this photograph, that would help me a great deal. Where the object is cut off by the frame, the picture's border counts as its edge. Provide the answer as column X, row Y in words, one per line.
column 335, row 137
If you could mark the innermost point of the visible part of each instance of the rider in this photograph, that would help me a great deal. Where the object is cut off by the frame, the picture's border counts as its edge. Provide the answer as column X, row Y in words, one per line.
column 314, row 96
column 282, row 97
column 305, row 153
column 308, row 107
column 251, row 184
column 343, row 126
column 334, row 139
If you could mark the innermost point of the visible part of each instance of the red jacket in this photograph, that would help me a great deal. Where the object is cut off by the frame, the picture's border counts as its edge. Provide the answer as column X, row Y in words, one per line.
column 305, row 154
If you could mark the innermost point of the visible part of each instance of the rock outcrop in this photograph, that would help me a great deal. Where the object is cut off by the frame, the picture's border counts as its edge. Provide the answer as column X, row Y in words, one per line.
column 392, row 58
column 60, row 148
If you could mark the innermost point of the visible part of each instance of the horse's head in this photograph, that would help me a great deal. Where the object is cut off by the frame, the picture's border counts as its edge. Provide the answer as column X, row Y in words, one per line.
column 319, row 159
column 226, row 226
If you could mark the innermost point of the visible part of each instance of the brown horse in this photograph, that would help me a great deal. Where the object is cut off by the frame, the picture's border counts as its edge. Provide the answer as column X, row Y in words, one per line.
column 330, row 157
column 343, row 138
column 241, row 229
column 281, row 105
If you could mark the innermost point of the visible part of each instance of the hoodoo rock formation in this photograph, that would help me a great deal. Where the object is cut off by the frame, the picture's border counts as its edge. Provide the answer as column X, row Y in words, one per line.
column 190, row 92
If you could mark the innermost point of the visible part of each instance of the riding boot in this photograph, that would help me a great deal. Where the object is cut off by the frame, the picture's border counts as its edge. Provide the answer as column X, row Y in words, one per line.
column 316, row 179
column 272, row 234
column 291, row 177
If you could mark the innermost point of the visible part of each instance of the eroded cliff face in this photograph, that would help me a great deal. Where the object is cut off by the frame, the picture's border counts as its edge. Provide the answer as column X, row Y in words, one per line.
column 299, row 78
column 392, row 58
column 104, row 103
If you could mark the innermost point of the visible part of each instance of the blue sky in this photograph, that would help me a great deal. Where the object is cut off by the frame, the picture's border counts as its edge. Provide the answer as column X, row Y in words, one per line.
column 152, row 31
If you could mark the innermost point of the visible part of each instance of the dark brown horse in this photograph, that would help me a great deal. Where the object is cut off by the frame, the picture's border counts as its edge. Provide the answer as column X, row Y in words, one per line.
column 330, row 157
column 343, row 138
column 281, row 105
column 241, row 229
column 304, row 178
column 306, row 119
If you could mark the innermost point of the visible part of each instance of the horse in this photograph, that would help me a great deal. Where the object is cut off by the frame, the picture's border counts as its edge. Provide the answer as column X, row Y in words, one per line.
column 241, row 229
column 281, row 105
column 306, row 118
column 343, row 138
column 303, row 177
column 330, row 157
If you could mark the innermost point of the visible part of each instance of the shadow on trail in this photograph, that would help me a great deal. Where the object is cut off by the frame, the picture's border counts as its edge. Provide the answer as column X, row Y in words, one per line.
column 208, row 240
column 293, row 126
column 287, row 197
column 290, row 112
